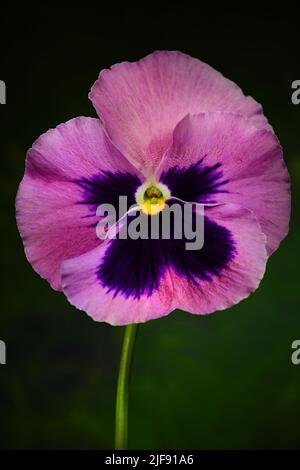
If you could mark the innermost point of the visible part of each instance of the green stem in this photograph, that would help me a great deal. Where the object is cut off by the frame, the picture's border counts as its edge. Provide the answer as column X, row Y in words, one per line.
column 123, row 386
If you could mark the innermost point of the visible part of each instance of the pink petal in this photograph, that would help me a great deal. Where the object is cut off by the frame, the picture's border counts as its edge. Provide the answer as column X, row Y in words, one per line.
column 52, row 224
column 84, row 291
column 243, row 274
column 237, row 281
column 141, row 102
column 251, row 159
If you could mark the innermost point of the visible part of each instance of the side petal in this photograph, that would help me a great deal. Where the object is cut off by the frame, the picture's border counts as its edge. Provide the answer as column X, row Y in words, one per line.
column 249, row 164
column 52, row 218
column 141, row 102
column 242, row 275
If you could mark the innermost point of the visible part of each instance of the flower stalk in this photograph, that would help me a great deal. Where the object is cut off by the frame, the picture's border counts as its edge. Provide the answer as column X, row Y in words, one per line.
column 121, row 431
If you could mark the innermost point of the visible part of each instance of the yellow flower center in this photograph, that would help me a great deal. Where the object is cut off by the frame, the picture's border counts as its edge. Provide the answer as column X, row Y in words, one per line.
column 152, row 196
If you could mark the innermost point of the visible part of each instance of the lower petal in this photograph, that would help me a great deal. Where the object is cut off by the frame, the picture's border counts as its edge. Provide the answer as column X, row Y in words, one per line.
column 83, row 290
column 200, row 290
column 240, row 277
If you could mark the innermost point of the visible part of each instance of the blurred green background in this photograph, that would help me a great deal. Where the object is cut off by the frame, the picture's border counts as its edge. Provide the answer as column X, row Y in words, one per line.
column 223, row 381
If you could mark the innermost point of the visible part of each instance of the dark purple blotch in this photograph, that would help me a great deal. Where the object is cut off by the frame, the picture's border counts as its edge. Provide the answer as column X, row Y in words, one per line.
column 134, row 268
column 195, row 183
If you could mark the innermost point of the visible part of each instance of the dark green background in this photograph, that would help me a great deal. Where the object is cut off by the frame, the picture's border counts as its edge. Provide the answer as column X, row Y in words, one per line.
column 215, row 382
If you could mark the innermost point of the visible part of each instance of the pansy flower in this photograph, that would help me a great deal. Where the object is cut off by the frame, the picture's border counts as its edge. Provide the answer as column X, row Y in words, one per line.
column 170, row 128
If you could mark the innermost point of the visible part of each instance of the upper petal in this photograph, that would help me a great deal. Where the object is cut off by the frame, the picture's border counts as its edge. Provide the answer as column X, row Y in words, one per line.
column 54, row 219
column 141, row 102
column 249, row 163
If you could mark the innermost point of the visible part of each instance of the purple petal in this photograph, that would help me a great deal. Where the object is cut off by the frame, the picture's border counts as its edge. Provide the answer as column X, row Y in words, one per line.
column 251, row 163
column 140, row 103
column 53, row 224
column 228, row 270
